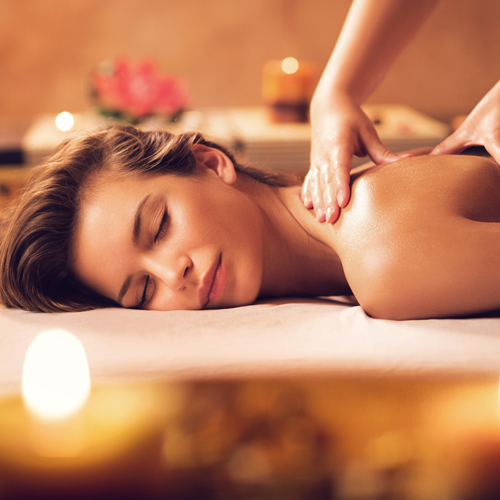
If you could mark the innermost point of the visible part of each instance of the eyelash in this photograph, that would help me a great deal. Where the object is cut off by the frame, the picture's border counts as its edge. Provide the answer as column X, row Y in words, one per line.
column 159, row 235
column 144, row 297
column 163, row 227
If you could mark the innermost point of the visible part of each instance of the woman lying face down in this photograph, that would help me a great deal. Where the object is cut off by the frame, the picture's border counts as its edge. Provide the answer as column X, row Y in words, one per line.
column 155, row 221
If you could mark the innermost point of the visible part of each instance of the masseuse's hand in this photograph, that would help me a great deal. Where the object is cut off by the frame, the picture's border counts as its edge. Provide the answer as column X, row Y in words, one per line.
column 481, row 128
column 340, row 129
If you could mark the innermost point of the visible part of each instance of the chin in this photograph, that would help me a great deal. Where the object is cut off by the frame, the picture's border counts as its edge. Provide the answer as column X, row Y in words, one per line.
column 248, row 299
column 242, row 290
column 241, row 298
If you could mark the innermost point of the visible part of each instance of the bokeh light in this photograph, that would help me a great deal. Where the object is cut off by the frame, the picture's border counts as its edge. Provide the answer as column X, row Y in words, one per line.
column 290, row 65
column 56, row 378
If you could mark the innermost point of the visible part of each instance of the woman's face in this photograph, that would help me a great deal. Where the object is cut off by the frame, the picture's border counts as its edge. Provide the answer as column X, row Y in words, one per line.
column 165, row 242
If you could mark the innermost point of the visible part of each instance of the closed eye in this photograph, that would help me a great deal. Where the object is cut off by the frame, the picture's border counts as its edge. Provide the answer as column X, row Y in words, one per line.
column 162, row 227
column 147, row 293
column 149, row 285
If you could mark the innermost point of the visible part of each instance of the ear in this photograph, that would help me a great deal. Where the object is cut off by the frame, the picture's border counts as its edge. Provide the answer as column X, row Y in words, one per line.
column 215, row 160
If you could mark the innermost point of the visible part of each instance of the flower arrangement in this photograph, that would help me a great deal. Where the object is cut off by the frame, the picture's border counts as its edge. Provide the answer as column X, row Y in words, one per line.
column 133, row 92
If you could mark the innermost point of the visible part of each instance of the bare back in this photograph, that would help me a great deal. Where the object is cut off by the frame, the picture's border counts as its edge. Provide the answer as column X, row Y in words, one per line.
column 419, row 237
column 425, row 187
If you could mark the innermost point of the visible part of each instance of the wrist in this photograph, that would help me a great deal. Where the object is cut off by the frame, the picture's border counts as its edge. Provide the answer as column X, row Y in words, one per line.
column 330, row 98
column 335, row 89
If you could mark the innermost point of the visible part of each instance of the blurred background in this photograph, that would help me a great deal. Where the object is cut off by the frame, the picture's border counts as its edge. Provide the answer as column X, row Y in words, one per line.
column 47, row 50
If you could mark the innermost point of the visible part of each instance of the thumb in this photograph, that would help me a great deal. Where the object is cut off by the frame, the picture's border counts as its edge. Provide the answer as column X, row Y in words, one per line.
column 494, row 149
column 452, row 144
column 377, row 152
column 380, row 154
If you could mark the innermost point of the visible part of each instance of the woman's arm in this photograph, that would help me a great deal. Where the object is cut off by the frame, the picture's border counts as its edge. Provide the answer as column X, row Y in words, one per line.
column 373, row 35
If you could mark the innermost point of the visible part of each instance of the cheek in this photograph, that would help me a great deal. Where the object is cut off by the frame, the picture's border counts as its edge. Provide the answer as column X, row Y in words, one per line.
column 165, row 300
column 229, row 222
column 216, row 215
column 248, row 282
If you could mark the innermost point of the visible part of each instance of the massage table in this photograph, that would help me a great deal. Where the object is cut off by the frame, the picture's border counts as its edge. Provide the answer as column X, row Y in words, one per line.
column 274, row 338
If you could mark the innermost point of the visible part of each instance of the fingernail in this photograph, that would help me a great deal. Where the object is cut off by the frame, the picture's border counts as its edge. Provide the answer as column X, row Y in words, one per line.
column 320, row 214
column 307, row 201
column 329, row 212
column 340, row 198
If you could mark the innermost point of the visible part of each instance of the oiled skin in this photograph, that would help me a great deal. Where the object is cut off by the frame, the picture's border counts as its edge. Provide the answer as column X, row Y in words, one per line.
column 420, row 237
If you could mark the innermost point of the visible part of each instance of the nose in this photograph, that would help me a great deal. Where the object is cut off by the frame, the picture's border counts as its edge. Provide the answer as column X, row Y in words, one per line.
column 173, row 272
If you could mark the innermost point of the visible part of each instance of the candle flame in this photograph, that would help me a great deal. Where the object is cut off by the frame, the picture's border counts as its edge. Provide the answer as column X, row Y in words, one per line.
column 290, row 65
column 64, row 121
column 56, row 378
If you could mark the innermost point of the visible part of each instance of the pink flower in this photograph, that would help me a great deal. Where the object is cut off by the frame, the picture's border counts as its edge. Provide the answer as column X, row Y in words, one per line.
column 138, row 90
column 172, row 95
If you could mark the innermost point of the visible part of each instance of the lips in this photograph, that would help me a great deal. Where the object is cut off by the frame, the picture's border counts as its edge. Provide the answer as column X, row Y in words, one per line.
column 213, row 283
column 219, row 282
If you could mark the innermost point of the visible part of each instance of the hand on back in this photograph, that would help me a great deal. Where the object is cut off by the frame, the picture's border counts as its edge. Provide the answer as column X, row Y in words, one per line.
column 481, row 128
column 340, row 129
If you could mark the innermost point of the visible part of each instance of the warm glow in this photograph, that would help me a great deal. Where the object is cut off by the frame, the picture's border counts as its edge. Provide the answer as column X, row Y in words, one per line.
column 64, row 121
column 290, row 65
column 56, row 378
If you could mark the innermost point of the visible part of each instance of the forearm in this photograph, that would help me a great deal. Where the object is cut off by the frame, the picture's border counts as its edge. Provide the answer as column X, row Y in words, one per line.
column 374, row 34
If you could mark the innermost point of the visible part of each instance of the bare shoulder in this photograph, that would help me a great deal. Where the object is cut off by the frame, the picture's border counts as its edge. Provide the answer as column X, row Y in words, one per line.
column 446, row 182
column 407, row 231
column 396, row 198
column 403, row 223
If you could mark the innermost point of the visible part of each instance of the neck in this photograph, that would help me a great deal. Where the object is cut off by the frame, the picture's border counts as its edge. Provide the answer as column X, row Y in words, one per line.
column 295, row 261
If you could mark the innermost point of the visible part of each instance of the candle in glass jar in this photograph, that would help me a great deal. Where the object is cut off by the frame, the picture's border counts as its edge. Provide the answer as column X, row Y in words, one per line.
column 62, row 441
column 287, row 88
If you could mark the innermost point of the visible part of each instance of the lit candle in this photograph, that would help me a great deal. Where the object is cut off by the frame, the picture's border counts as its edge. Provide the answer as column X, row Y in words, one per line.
column 55, row 387
column 61, row 441
column 287, row 88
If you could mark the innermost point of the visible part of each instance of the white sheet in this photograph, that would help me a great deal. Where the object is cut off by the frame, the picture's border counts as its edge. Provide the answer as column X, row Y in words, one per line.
column 276, row 338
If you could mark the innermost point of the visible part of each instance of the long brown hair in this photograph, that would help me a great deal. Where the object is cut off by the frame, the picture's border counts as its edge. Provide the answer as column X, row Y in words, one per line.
column 35, row 251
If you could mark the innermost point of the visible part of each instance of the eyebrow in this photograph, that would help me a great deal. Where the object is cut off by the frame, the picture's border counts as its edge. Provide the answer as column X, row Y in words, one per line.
column 137, row 221
column 135, row 240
